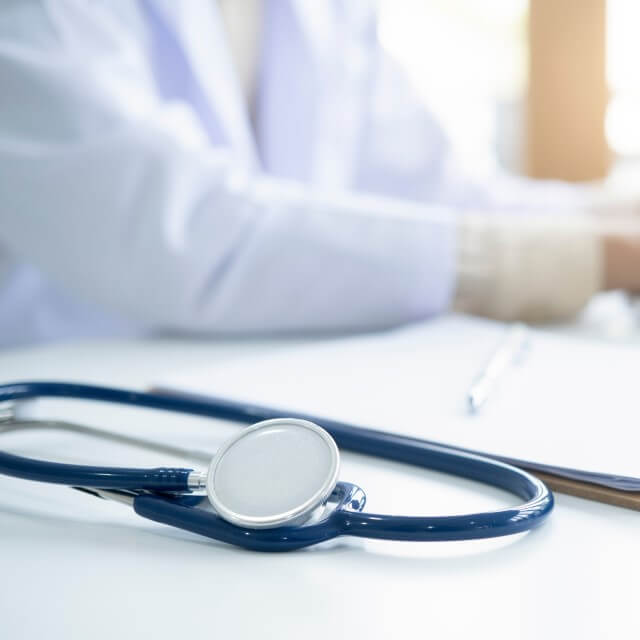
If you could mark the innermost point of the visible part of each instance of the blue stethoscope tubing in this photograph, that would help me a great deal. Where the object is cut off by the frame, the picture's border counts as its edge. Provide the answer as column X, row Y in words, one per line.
column 154, row 487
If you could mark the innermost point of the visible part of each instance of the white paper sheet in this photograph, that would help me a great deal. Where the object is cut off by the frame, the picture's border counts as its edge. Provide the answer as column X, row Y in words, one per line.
column 570, row 402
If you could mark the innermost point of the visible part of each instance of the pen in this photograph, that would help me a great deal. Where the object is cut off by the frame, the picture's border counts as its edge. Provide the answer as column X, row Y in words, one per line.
column 507, row 352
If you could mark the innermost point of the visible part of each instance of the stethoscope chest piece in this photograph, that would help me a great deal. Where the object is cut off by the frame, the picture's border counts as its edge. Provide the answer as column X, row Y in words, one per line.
column 273, row 473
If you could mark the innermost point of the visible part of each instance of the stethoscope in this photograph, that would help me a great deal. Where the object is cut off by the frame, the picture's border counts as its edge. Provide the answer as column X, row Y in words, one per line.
column 274, row 486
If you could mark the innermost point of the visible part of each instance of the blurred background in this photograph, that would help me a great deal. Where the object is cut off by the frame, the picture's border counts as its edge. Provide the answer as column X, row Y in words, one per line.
column 543, row 88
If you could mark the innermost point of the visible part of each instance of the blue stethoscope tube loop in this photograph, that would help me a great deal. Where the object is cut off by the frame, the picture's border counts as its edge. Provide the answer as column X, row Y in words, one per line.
column 346, row 519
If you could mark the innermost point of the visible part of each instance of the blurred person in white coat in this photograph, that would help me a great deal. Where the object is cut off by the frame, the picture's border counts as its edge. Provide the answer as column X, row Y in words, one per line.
column 245, row 166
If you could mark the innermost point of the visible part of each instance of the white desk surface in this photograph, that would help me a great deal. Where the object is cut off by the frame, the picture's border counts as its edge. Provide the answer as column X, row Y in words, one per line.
column 76, row 567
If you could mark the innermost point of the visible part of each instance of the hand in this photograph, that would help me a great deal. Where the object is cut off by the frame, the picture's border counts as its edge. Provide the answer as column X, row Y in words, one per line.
column 621, row 258
column 618, row 217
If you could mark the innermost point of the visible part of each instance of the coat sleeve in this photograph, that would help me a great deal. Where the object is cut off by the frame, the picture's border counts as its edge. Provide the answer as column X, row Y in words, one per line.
column 119, row 198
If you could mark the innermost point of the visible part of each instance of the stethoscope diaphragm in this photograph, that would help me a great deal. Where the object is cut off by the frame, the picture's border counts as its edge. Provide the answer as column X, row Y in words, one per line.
column 273, row 473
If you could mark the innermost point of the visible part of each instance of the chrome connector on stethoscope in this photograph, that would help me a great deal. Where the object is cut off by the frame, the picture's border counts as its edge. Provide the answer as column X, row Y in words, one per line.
column 197, row 481
column 124, row 497
column 7, row 412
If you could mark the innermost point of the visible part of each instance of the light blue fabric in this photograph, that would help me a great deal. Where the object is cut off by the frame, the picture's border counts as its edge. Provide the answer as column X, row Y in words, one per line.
column 132, row 201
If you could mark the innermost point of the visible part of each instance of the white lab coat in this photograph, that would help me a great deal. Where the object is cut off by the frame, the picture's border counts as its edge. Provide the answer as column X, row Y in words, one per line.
column 135, row 197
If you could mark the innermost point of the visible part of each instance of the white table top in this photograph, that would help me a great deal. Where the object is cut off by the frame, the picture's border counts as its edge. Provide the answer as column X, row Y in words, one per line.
column 77, row 567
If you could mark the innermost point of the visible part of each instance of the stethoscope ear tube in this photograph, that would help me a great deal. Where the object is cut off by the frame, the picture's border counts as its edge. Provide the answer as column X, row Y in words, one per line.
column 158, row 479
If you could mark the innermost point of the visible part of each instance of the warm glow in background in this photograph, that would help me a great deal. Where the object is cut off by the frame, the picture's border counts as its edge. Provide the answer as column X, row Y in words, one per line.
column 470, row 61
